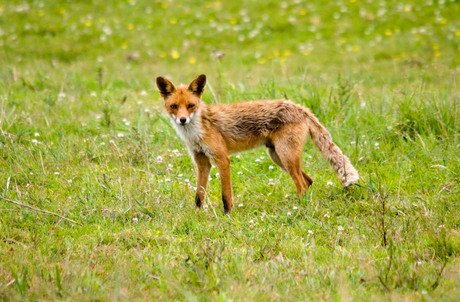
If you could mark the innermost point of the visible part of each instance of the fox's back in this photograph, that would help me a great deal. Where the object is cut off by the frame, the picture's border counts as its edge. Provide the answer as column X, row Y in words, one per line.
column 255, row 118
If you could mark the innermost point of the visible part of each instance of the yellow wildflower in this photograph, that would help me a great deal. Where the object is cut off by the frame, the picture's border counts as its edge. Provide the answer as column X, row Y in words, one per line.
column 175, row 54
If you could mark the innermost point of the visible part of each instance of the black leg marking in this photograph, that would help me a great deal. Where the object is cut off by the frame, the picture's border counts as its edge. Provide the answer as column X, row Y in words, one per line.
column 226, row 209
column 197, row 201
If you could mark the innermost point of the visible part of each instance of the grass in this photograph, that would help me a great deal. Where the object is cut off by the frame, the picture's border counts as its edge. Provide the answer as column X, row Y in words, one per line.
column 83, row 134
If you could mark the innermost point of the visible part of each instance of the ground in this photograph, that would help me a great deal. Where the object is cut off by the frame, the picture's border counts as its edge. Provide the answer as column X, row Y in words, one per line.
column 84, row 135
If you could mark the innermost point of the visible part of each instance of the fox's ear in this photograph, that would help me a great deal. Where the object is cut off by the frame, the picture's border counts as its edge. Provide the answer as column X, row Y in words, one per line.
column 165, row 87
column 197, row 85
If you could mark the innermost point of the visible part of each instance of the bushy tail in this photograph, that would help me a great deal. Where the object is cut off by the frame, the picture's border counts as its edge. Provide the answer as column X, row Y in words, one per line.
column 339, row 162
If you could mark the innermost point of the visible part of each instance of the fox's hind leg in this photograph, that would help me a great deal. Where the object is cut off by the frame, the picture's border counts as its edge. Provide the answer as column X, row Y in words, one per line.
column 276, row 159
column 286, row 152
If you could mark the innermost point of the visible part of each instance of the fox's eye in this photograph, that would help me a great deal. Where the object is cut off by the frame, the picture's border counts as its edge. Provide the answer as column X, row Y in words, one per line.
column 173, row 106
column 190, row 106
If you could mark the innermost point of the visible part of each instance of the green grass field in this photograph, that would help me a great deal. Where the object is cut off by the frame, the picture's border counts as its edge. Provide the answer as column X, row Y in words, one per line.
column 84, row 135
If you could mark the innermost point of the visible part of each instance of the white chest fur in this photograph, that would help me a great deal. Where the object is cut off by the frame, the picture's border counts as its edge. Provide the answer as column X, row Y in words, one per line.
column 192, row 135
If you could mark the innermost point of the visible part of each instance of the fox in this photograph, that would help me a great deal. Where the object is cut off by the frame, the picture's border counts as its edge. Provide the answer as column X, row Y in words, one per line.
column 213, row 132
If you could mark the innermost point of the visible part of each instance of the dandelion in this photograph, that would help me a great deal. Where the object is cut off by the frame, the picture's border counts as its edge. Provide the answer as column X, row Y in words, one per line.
column 192, row 60
column 306, row 53
column 457, row 32
column 286, row 53
column 355, row 48
column 173, row 21
column 233, row 21
column 175, row 54
column 270, row 182
column 262, row 61
column 41, row 13
column 88, row 23
column 124, row 45
column 406, row 8
column 340, row 228
column 303, row 12
column 388, row 32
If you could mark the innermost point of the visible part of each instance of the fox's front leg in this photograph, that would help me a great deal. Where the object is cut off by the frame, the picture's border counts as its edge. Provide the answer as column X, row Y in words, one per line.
column 203, row 167
column 223, row 165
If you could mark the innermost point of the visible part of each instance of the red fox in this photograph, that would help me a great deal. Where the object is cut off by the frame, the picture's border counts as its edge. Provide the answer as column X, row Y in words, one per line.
column 213, row 132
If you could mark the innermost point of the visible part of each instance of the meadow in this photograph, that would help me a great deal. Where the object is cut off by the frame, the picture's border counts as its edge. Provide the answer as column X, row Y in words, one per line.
column 83, row 135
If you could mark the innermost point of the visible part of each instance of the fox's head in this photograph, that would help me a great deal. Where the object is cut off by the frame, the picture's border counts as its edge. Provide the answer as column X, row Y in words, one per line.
column 182, row 102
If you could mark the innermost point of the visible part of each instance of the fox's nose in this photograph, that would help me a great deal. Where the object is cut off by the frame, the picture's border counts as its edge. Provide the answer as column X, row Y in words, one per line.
column 182, row 120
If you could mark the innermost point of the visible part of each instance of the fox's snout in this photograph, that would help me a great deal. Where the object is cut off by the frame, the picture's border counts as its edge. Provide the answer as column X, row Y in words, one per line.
column 182, row 119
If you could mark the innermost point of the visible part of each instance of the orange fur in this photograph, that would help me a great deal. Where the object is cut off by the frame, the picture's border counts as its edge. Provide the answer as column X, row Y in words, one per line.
column 212, row 133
